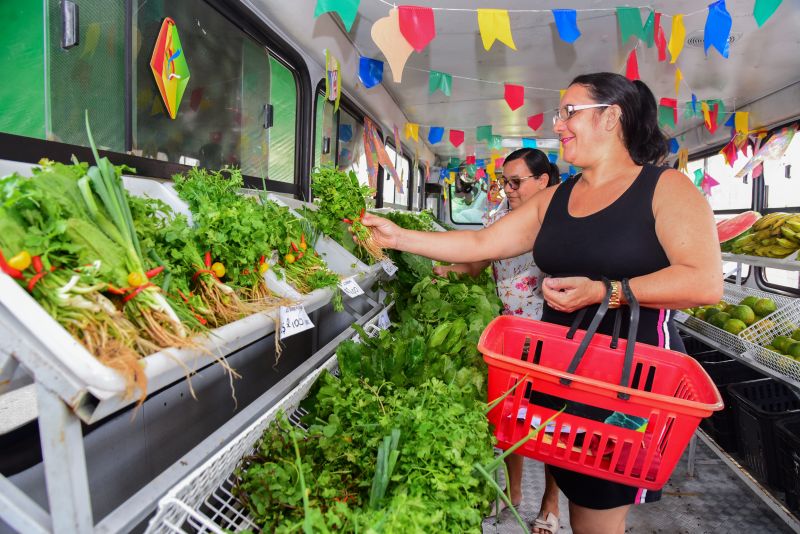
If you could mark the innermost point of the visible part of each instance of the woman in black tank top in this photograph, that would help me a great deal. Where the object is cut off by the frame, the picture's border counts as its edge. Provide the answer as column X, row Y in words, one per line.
column 623, row 217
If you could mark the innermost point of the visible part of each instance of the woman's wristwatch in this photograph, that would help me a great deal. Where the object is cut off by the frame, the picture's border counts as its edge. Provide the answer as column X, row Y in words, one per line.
column 616, row 295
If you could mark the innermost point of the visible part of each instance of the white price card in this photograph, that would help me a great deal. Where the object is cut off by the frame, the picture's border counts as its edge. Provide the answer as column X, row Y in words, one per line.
column 681, row 316
column 388, row 266
column 294, row 320
column 351, row 288
column 383, row 320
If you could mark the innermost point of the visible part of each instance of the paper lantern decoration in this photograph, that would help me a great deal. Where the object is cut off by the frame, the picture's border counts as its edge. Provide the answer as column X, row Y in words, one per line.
column 169, row 67
column 387, row 37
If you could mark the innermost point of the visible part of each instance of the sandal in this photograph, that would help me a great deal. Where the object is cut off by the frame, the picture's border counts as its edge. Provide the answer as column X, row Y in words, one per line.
column 549, row 524
column 502, row 506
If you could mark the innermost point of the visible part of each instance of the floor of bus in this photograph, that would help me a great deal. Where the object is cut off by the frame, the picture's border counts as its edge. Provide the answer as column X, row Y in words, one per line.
column 716, row 500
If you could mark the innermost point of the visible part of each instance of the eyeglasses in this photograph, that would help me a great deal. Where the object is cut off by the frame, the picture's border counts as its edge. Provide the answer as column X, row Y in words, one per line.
column 565, row 113
column 514, row 181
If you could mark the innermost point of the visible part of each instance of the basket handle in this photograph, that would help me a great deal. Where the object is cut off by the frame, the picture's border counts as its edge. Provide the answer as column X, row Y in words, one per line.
column 633, row 327
column 601, row 312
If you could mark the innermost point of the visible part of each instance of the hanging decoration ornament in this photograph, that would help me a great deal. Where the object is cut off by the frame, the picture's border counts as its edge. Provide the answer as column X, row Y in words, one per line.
column 439, row 81
column 417, row 26
column 567, row 24
column 683, row 160
column 718, row 28
column 483, row 133
column 370, row 71
column 346, row 9
column 763, row 10
column 456, row 137
column 387, row 37
column 678, row 78
column 515, row 96
column 169, row 67
column 494, row 24
column 412, row 131
column 630, row 23
column 632, row 66
column 333, row 85
column 535, row 121
column 707, row 184
column 676, row 38
column 741, row 122
column 435, row 134
column 660, row 40
column 673, row 145
column 668, row 112
column 648, row 30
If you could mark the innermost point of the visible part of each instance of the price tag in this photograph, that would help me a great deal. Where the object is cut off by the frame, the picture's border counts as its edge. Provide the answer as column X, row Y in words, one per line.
column 351, row 288
column 383, row 320
column 681, row 316
column 294, row 320
column 388, row 267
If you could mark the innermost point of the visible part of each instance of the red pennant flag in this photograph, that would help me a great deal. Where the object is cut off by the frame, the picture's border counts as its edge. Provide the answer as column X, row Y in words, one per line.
column 632, row 70
column 456, row 137
column 661, row 41
column 470, row 160
column 535, row 121
column 515, row 96
column 671, row 103
column 417, row 26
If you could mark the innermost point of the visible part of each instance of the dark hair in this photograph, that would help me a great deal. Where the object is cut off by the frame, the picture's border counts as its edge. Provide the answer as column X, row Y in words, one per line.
column 645, row 141
column 537, row 162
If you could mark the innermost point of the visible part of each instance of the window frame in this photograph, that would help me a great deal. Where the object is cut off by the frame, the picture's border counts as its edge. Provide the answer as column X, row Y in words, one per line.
column 408, row 205
column 30, row 149
column 450, row 195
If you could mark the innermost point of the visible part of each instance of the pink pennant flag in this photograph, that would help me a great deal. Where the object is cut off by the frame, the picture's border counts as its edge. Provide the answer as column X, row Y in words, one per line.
column 470, row 160
column 660, row 39
column 456, row 137
column 535, row 121
column 515, row 96
column 708, row 183
column 499, row 162
column 632, row 69
column 480, row 173
column 417, row 26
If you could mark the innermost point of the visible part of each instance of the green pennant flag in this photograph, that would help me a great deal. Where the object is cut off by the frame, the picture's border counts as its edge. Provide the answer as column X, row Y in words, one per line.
column 698, row 177
column 666, row 116
column 649, row 30
column 441, row 81
column 484, row 133
column 630, row 23
column 496, row 142
column 347, row 10
column 764, row 10
column 454, row 163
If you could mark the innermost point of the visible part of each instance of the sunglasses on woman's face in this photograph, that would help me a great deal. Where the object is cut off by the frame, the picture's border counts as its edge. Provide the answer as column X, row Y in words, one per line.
column 514, row 181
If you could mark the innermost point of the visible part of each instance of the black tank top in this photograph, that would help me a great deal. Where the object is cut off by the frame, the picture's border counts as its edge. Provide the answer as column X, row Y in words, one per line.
column 617, row 242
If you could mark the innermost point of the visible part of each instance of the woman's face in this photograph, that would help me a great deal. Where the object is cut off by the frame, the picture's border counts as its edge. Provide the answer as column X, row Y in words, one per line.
column 528, row 186
column 582, row 137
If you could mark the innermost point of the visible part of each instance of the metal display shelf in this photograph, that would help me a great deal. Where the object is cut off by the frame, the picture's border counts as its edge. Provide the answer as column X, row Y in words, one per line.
column 789, row 263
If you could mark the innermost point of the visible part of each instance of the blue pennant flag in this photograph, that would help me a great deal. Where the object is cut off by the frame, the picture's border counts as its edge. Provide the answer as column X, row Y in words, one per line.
column 528, row 142
column 443, row 173
column 345, row 133
column 435, row 134
column 572, row 170
column 718, row 28
column 564, row 176
column 370, row 71
column 567, row 24
column 552, row 156
column 694, row 103
column 673, row 146
column 729, row 123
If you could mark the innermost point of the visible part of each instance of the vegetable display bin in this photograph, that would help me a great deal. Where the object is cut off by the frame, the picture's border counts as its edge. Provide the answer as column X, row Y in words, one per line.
column 759, row 405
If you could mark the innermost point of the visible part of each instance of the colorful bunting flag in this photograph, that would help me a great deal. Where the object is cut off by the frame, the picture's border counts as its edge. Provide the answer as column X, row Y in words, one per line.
column 387, row 37
column 370, row 71
column 441, row 81
column 535, row 121
column 454, row 163
column 480, row 174
column 494, row 24
column 630, row 23
column 673, row 146
column 483, row 133
column 412, row 131
column 499, row 162
column 567, row 24
column 676, row 38
column 698, row 178
column 470, row 160
column 678, row 78
column 515, row 96
column 495, row 142
column 417, row 26
column 718, row 28
column 683, row 160
column 764, row 9
column 648, row 30
column 528, row 143
column 668, row 112
column 435, row 134
column 661, row 41
column 694, row 103
column 572, row 170
column 730, row 152
column 456, row 137
column 707, row 183
column 553, row 157
column 346, row 9
column 632, row 67
column 742, row 118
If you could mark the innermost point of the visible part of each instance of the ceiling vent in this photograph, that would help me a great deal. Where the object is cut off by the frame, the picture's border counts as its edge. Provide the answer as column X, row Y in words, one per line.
column 695, row 39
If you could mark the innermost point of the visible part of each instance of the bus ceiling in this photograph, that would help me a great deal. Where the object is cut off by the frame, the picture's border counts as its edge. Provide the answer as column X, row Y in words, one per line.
column 760, row 75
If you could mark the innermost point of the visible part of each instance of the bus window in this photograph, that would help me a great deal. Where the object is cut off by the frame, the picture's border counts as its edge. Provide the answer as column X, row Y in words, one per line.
column 392, row 197
column 782, row 178
column 324, row 137
column 350, row 147
column 731, row 193
column 467, row 204
column 283, row 97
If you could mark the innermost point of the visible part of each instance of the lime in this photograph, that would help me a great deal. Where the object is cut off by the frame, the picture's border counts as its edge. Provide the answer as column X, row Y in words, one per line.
column 794, row 350
column 744, row 314
column 700, row 314
column 749, row 301
column 719, row 319
column 764, row 307
column 711, row 312
column 729, row 308
column 796, row 335
column 781, row 343
column 734, row 326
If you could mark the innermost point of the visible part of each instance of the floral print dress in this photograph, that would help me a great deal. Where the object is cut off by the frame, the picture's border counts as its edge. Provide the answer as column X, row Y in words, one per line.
column 518, row 279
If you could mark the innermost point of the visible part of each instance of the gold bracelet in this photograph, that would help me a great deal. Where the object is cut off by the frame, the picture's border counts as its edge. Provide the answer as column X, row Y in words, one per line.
column 616, row 293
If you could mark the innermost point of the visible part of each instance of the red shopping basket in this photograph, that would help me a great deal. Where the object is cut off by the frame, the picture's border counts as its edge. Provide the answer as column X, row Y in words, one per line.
column 591, row 372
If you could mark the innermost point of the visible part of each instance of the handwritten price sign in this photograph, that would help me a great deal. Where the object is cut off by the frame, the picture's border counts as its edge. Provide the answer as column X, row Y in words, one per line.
column 388, row 267
column 294, row 320
column 350, row 288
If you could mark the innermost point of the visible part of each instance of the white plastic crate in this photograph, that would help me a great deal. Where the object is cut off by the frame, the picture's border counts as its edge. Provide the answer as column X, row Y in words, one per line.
column 733, row 294
column 781, row 323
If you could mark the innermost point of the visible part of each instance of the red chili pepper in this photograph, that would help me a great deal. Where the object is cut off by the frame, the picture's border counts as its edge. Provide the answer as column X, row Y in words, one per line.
column 202, row 321
column 299, row 255
column 10, row 271
column 115, row 290
column 363, row 210
column 294, row 247
column 136, row 291
column 35, row 280
column 207, row 259
column 262, row 259
column 37, row 264
column 348, row 221
column 154, row 272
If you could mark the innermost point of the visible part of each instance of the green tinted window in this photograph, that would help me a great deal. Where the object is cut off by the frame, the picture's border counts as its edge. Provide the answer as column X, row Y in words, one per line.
column 283, row 96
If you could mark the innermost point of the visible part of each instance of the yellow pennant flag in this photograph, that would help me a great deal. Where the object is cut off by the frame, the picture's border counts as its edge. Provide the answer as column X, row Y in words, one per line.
column 741, row 121
column 490, row 170
column 412, row 131
column 683, row 161
column 706, row 112
column 676, row 38
column 678, row 78
column 561, row 93
column 494, row 24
